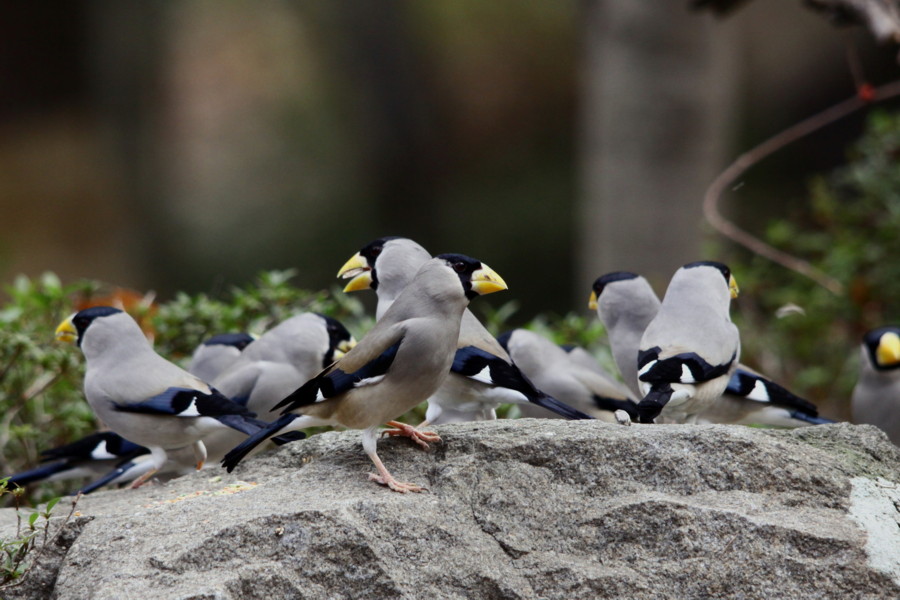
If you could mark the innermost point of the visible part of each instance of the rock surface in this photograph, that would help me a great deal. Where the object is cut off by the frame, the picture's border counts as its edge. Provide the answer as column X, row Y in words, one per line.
column 515, row 509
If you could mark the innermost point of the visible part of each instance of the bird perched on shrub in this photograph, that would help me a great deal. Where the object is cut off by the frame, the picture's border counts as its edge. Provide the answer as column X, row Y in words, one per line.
column 399, row 363
column 142, row 396
column 876, row 396
column 483, row 376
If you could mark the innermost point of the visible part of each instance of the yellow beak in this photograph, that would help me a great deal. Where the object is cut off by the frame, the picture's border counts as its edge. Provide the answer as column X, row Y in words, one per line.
column 66, row 332
column 888, row 351
column 358, row 268
column 592, row 301
column 343, row 348
column 486, row 281
column 733, row 287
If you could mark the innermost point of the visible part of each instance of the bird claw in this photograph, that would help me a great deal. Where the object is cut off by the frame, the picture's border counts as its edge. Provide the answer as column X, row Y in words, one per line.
column 397, row 486
column 420, row 437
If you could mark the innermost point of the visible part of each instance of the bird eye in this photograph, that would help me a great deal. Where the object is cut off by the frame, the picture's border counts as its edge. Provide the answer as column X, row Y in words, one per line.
column 459, row 267
column 376, row 251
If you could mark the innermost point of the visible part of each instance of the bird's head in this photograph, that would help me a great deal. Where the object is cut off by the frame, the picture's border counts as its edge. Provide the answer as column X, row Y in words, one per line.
column 476, row 277
column 883, row 346
column 604, row 280
column 72, row 329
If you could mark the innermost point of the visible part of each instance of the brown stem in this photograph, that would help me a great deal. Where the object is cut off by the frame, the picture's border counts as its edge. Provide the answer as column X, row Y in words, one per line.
column 746, row 160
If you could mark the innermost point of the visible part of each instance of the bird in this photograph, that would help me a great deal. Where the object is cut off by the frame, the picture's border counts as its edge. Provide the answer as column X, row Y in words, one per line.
column 483, row 376
column 690, row 348
column 626, row 303
column 876, row 396
column 212, row 356
column 399, row 363
column 552, row 369
column 90, row 456
column 282, row 359
column 142, row 396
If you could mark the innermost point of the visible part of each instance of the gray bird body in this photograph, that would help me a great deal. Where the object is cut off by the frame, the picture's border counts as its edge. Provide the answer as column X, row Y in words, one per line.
column 626, row 303
column 693, row 320
column 399, row 363
column 876, row 395
column 278, row 362
column 122, row 368
column 552, row 369
column 213, row 356
column 462, row 397
column 142, row 396
column 625, row 307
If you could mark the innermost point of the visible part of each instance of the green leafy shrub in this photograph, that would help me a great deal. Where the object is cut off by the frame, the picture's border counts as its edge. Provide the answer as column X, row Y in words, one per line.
column 849, row 229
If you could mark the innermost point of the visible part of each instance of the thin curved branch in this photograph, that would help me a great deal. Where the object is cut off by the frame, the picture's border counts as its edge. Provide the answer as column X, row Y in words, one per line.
column 746, row 160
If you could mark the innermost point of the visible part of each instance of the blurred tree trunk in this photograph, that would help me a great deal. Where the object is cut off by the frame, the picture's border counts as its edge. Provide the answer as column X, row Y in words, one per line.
column 657, row 84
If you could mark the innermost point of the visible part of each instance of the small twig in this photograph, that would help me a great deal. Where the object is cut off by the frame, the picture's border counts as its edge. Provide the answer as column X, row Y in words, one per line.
column 793, row 133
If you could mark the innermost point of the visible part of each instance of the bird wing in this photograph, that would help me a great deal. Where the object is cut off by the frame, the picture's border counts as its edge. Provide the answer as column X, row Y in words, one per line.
column 356, row 369
column 753, row 386
column 96, row 446
column 686, row 367
column 185, row 402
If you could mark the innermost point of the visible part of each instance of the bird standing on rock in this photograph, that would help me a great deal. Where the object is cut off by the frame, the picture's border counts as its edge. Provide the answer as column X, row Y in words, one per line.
column 552, row 368
column 876, row 396
column 142, row 396
column 482, row 376
column 399, row 363
column 626, row 304
column 690, row 348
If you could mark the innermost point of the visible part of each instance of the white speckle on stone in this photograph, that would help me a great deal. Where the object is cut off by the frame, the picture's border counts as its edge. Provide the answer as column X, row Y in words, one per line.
column 875, row 505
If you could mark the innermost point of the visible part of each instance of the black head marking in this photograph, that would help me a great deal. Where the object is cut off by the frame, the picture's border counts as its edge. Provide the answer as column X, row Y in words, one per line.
column 371, row 251
column 722, row 267
column 238, row 340
column 605, row 280
column 872, row 338
column 84, row 318
column 337, row 333
column 464, row 266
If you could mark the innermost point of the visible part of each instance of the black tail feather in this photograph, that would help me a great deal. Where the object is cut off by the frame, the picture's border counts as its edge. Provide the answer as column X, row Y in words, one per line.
column 39, row 474
column 237, row 454
column 108, row 478
column 652, row 404
column 552, row 404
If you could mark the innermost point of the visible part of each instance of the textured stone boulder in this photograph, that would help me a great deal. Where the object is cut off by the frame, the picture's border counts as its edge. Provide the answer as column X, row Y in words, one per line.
column 515, row 509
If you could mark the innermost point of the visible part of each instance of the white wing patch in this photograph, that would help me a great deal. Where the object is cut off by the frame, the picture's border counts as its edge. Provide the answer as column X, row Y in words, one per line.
column 686, row 375
column 484, row 376
column 647, row 367
column 759, row 392
column 191, row 409
column 367, row 381
column 100, row 452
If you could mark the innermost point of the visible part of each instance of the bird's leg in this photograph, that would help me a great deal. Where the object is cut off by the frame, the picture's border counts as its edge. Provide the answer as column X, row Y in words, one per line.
column 158, row 458
column 199, row 453
column 142, row 479
column 414, row 433
column 383, row 476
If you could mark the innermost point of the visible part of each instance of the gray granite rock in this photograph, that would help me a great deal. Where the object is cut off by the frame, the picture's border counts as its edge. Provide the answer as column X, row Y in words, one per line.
column 515, row 509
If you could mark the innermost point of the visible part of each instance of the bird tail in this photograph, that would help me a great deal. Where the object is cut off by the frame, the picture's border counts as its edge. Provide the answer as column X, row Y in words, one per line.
column 39, row 474
column 552, row 404
column 126, row 471
column 652, row 404
column 811, row 419
column 237, row 454
column 242, row 423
